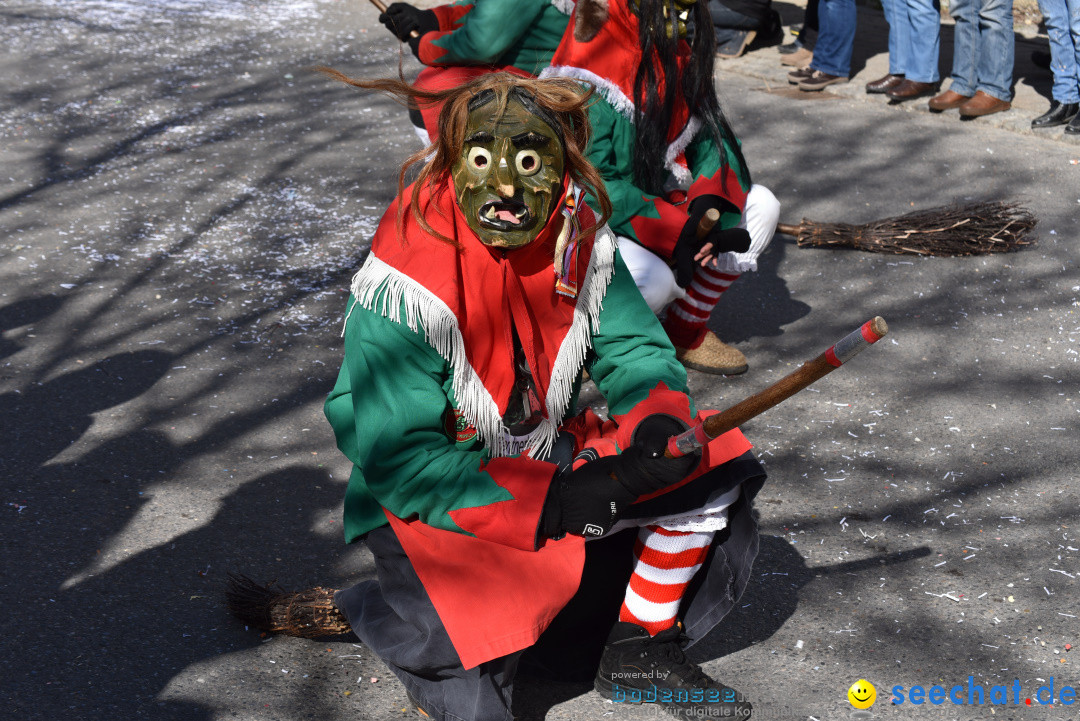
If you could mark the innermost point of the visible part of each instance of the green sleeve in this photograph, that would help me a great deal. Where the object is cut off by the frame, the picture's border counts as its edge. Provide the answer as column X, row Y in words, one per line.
column 632, row 353
column 490, row 29
column 717, row 171
column 387, row 411
column 647, row 219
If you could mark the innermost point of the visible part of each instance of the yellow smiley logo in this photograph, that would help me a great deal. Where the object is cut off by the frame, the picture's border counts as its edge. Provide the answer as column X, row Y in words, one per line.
column 862, row 694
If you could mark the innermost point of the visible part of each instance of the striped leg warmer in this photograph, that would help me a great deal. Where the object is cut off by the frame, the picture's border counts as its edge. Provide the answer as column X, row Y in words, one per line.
column 687, row 316
column 664, row 563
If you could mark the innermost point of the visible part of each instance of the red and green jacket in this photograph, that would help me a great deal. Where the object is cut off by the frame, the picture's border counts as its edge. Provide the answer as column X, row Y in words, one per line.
column 522, row 33
column 609, row 62
column 428, row 376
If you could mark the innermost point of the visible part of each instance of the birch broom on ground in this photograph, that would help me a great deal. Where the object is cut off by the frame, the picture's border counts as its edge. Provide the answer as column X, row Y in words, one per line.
column 946, row 231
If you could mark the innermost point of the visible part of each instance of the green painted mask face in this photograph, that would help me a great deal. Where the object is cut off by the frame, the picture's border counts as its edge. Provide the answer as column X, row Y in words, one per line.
column 509, row 174
column 682, row 15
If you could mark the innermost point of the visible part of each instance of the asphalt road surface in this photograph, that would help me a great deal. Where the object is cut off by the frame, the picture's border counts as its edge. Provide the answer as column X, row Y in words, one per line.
column 182, row 204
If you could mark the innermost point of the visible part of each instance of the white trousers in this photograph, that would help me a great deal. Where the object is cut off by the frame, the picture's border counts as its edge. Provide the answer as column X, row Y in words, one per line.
column 656, row 280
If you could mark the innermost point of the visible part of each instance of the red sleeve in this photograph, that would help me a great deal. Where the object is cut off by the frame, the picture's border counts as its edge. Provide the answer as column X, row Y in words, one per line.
column 661, row 399
column 450, row 16
column 659, row 233
column 724, row 183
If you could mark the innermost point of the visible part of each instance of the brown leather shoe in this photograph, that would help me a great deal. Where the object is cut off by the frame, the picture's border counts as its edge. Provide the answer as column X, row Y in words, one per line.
column 798, row 59
column 910, row 89
column 882, row 84
column 983, row 104
column 819, row 80
column 947, row 101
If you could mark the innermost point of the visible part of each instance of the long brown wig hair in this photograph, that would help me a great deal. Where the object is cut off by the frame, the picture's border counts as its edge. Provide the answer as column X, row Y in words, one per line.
column 562, row 100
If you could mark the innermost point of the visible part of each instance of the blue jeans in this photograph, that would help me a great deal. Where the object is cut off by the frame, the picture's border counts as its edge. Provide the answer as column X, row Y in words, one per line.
column 984, row 47
column 727, row 23
column 1062, row 19
column 914, row 38
column 836, row 33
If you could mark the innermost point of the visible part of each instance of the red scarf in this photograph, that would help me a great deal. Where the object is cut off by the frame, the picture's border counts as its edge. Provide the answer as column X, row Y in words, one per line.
column 486, row 289
column 612, row 59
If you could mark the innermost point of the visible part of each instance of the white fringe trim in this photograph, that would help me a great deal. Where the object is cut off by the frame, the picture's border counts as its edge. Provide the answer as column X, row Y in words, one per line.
column 382, row 289
column 623, row 105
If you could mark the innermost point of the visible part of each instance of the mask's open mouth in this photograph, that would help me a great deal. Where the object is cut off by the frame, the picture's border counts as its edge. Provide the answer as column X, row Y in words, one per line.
column 504, row 215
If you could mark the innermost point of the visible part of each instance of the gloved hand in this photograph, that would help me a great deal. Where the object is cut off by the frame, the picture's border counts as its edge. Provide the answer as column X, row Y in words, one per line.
column 586, row 501
column 402, row 18
column 642, row 467
column 688, row 245
column 589, row 500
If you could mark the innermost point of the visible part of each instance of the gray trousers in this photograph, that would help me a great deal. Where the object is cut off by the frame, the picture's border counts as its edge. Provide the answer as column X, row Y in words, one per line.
column 394, row 617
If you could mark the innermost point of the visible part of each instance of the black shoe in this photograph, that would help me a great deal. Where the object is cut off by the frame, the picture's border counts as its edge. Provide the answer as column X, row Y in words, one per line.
column 1073, row 128
column 1058, row 114
column 1041, row 58
column 789, row 48
column 639, row 668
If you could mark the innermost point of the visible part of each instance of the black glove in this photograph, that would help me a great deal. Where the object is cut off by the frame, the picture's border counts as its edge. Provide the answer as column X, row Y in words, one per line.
column 642, row 467
column 402, row 18
column 586, row 501
column 589, row 500
column 735, row 240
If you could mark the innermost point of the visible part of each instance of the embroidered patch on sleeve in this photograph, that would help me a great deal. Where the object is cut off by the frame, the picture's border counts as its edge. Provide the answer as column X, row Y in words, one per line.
column 457, row 428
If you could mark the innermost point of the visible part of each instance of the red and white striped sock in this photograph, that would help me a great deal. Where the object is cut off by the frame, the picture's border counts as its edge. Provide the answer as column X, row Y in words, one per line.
column 687, row 316
column 664, row 563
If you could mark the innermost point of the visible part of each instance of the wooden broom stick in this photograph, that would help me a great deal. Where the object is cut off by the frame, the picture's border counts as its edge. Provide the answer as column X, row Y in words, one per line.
column 381, row 7
column 844, row 350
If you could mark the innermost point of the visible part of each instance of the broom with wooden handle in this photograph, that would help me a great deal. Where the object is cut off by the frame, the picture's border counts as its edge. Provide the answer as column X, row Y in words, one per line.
column 844, row 350
column 947, row 231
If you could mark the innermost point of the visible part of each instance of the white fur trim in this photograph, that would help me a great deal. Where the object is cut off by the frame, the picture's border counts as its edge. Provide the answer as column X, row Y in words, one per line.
column 566, row 7
column 680, row 171
column 382, row 289
column 608, row 90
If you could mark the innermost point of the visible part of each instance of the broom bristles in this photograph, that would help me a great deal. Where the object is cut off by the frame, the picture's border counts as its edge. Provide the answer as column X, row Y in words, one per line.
column 307, row 614
column 953, row 230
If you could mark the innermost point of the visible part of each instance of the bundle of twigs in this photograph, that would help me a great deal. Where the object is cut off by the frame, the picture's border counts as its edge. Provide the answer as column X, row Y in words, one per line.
column 307, row 614
column 973, row 229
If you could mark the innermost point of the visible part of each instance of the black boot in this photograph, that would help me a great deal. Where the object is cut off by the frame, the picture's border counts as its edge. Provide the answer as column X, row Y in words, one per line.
column 1073, row 128
column 1058, row 114
column 637, row 668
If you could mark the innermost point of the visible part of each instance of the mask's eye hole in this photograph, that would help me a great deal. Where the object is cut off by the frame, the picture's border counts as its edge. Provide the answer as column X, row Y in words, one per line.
column 479, row 158
column 527, row 162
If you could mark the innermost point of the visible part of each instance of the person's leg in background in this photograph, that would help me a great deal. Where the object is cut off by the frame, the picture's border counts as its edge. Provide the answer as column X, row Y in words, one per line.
column 965, row 49
column 1073, row 7
column 832, row 53
column 923, row 20
column 994, row 60
column 899, row 40
column 1064, row 62
column 799, row 53
column 734, row 31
